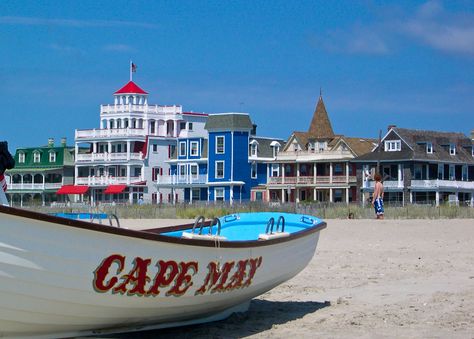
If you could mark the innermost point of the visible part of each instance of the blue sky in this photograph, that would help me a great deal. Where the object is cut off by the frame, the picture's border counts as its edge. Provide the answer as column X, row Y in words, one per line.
column 406, row 63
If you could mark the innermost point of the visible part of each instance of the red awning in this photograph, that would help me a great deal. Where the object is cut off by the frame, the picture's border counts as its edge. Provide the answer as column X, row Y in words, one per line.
column 115, row 189
column 72, row 189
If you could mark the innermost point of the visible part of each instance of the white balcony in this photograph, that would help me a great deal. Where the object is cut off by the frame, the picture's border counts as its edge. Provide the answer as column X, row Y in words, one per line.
column 110, row 133
column 108, row 157
column 34, row 186
column 302, row 156
column 311, row 180
column 436, row 184
column 147, row 109
column 106, row 180
column 171, row 180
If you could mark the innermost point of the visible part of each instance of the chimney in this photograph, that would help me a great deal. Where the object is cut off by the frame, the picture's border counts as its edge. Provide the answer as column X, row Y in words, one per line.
column 254, row 129
column 50, row 142
column 389, row 127
column 63, row 141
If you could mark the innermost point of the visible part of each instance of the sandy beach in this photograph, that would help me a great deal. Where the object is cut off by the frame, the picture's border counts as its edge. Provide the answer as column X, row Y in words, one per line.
column 369, row 279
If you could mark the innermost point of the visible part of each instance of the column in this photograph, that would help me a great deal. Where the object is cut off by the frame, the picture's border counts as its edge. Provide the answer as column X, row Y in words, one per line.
column 297, row 172
column 94, row 147
column 411, row 197
column 330, row 195
column 297, row 198
column 282, row 195
column 400, row 181
column 437, row 198
column 347, row 172
column 314, row 194
column 283, row 173
column 314, row 177
column 231, row 195
column 190, row 194
column 330, row 173
column 347, row 195
column 128, row 174
column 142, row 176
column 128, row 150
column 109, row 149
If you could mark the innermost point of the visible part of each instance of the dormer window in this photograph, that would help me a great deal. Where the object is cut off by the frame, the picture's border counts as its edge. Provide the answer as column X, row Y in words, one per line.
column 393, row 145
column 36, row 157
column 276, row 147
column 253, row 148
column 322, row 145
column 21, row 158
column 295, row 147
column 429, row 148
column 52, row 156
column 452, row 149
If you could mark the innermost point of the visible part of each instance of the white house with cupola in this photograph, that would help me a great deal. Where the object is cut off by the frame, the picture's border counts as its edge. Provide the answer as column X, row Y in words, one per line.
column 120, row 160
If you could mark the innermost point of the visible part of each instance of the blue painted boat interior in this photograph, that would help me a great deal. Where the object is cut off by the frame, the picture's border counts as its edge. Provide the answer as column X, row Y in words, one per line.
column 248, row 226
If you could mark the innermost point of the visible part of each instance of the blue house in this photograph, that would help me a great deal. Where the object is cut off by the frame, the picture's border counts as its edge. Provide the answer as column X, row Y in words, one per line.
column 226, row 165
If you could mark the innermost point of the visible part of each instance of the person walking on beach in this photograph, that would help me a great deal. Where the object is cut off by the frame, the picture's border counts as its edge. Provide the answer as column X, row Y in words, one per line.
column 377, row 199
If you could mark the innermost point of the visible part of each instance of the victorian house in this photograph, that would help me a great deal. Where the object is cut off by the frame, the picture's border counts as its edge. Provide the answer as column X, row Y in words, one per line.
column 224, row 165
column 420, row 166
column 120, row 160
column 315, row 165
column 39, row 173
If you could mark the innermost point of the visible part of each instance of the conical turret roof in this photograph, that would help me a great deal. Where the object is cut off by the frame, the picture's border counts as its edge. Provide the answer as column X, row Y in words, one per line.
column 131, row 88
column 320, row 124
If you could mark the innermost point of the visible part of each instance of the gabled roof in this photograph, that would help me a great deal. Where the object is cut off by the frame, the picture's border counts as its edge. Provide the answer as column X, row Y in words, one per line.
column 228, row 121
column 130, row 88
column 320, row 124
column 265, row 149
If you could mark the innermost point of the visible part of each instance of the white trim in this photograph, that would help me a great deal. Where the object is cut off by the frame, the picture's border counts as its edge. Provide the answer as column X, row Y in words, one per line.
column 215, row 193
column 191, row 143
column 223, row 169
column 223, row 144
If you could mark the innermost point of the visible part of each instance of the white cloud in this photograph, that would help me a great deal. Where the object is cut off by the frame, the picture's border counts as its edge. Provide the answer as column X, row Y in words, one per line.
column 437, row 28
column 118, row 48
column 66, row 49
column 31, row 21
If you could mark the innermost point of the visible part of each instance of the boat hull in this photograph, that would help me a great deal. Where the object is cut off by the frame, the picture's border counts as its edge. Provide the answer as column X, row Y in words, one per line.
column 58, row 281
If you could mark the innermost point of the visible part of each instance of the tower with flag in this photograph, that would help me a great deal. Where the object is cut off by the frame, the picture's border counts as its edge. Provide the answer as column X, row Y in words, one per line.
column 122, row 159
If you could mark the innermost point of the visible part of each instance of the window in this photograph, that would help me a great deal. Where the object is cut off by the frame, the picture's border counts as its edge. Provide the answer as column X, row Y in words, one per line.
column 190, row 126
column 194, row 171
column 451, row 172
column 219, row 169
column 21, row 158
column 253, row 150
column 275, row 170
column 182, row 148
column 253, row 171
column 182, row 125
column 194, row 148
column 220, row 149
column 156, row 172
column 155, row 148
column 36, row 157
column 258, row 196
column 219, row 194
column 393, row 145
column 196, row 193
column 452, row 149
column 182, row 170
column 52, row 156
column 322, row 145
column 429, row 148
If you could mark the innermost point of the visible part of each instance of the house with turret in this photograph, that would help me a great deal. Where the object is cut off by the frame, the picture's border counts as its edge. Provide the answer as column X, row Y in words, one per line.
column 315, row 165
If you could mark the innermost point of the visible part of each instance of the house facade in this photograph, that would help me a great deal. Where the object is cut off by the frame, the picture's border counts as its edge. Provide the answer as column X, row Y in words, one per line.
column 39, row 173
column 419, row 166
column 120, row 160
column 315, row 165
column 224, row 165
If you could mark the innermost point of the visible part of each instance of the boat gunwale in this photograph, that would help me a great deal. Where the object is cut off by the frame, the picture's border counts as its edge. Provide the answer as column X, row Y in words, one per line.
column 155, row 234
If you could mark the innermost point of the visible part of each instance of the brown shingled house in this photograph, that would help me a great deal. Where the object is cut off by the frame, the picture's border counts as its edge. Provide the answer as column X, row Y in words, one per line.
column 315, row 165
column 421, row 166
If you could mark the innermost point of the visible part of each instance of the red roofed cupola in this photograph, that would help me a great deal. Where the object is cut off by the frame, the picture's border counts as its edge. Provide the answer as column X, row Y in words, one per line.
column 131, row 88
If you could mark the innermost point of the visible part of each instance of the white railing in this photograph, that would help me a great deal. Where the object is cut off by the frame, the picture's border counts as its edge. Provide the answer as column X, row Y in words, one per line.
column 312, row 155
column 436, row 183
column 387, row 184
column 106, row 180
column 91, row 157
column 149, row 109
column 34, row 186
column 181, row 180
column 311, row 180
column 110, row 133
